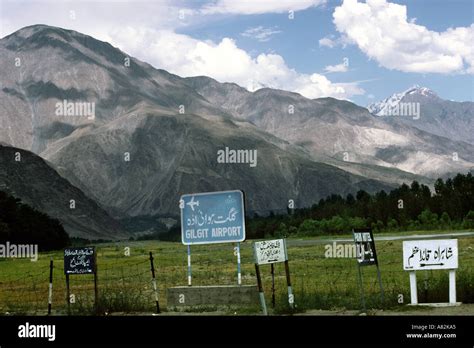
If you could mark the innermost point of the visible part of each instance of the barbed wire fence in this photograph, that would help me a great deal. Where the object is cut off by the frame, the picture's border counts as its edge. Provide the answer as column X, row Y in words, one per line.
column 125, row 283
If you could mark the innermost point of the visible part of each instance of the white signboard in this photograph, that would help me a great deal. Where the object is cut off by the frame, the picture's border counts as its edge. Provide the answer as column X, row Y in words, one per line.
column 270, row 251
column 430, row 254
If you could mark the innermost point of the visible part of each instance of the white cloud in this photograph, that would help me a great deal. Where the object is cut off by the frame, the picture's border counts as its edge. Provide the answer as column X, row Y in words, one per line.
column 384, row 33
column 225, row 62
column 260, row 33
column 327, row 42
column 336, row 68
column 331, row 41
column 250, row 7
column 180, row 54
column 94, row 18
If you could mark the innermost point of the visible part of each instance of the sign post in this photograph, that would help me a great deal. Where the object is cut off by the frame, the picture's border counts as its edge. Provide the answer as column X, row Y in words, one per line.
column 431, row 255
column 366, row 256
column 272, row 272
column 291, row 298
column 80, row 261
column 239, row 267
column 270, row 252
column 190, row 275
column 261, row 294
column 213, row 217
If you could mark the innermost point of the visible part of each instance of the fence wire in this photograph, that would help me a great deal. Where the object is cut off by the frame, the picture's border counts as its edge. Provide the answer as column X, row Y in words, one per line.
column 319, row 282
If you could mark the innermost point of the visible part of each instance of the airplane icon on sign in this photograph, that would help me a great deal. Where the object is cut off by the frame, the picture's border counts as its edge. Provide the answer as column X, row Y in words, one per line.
column 192, row 203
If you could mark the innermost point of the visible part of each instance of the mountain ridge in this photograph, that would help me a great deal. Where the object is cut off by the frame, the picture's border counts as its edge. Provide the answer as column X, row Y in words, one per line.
column 30, row 178
column 138, row 112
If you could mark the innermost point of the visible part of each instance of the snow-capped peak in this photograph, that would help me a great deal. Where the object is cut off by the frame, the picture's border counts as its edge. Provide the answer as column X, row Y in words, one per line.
column 379, row 108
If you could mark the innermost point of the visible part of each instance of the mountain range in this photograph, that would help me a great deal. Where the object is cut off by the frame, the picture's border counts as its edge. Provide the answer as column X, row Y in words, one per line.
column 446, row 118
column 154, row 136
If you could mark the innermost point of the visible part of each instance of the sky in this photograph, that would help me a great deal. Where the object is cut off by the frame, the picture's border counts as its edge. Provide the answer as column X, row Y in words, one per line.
column 362, row 51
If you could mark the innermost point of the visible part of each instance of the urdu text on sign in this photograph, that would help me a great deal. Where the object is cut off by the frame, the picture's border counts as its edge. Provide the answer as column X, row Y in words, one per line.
column 430, row 254
column 213, row 217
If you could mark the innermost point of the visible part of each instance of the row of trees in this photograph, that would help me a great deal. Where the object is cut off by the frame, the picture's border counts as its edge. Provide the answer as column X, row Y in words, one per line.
column 414, row 207
column 21, row 224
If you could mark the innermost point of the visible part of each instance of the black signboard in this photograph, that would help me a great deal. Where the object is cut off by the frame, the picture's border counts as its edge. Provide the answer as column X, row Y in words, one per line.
column 365, row 247
column 79, row 260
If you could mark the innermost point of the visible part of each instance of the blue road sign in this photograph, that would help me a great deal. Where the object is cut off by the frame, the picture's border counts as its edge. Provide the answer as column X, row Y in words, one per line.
column 212, row 217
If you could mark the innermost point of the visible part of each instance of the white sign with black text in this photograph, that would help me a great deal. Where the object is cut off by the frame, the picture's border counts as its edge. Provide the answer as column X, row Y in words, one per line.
column 270, row 251
column 430, row 254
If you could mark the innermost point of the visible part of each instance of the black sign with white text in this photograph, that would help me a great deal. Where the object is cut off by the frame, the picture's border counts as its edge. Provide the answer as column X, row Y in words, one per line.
column 365, row 247
column 79, row 260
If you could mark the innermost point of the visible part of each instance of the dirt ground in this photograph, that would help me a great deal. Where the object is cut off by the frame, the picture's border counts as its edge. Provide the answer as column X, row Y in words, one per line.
column 463, row 309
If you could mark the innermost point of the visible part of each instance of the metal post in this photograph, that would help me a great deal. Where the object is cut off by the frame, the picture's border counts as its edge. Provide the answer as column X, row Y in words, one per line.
column 291, row 299
column 273, row 284
column 379, row 276
column 50, row 292
column 413, row 290
column 239, row 268
column 96, row 290
column 68, row 295
column 361, row 286
column 155, row 289
column 189, row 266
column 260, row 290
column 96, row 287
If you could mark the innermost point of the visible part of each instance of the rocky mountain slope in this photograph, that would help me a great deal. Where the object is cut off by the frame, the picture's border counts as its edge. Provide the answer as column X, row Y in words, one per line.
column 446, row 118
column 26, row 176
column 340, row 129
column 153, row 136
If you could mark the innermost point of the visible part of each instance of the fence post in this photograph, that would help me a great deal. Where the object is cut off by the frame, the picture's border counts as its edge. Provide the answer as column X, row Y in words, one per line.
column 50, row 290
column 155, row 289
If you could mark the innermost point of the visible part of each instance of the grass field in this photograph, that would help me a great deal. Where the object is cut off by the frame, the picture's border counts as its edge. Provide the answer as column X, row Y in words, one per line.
column 318, row 282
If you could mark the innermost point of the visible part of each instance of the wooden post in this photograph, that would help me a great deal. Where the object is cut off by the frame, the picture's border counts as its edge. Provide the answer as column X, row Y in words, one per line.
column 273, row 284
column 413, row 290
column 50, row 290
column 452, row 286
column 155, row 289
column 260, row 290
column 68, row 295
column 291, row 299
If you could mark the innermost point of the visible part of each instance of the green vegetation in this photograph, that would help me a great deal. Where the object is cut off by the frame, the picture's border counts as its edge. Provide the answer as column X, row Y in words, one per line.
column 407, row 208
column 21, row 224
column 318, row 282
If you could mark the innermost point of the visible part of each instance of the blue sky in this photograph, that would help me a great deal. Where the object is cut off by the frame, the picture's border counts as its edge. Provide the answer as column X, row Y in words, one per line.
column 256, row 44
